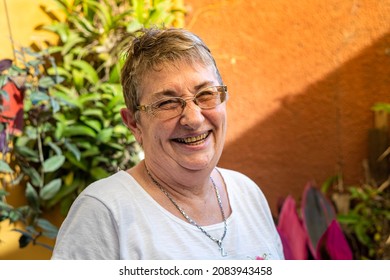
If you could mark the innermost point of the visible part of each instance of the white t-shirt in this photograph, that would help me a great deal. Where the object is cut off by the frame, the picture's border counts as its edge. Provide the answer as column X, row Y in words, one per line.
column 115, row 218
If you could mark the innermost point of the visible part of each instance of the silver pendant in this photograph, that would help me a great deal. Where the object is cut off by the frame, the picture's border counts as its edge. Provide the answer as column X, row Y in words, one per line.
column 223, row 253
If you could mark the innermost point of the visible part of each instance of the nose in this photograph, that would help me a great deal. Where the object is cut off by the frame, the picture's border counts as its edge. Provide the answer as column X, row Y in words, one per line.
column 192, row 114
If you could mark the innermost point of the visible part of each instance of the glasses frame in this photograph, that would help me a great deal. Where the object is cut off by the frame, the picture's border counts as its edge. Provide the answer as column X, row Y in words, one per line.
column 221, row 89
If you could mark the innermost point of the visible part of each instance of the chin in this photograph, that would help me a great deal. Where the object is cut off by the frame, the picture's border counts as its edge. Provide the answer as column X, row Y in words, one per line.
column 194, row 165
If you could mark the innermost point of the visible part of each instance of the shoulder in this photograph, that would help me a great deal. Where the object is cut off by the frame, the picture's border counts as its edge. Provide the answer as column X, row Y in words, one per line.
column 240, row 185
column 238, row 179
column 112, row 193
column 114, row 185
column 105, row 199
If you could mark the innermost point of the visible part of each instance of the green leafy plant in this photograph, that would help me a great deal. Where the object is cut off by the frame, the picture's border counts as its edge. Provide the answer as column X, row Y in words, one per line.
column 366, row 222
column 36, row 157
column 73, row 133
column 364, row 209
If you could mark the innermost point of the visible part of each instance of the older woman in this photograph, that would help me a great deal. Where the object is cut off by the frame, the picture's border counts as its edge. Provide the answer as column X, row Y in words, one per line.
column 176, row 203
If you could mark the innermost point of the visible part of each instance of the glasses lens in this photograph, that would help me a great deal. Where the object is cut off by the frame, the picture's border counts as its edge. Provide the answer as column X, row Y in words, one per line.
column 167, row 108
column 207, row 98
column 211, row 97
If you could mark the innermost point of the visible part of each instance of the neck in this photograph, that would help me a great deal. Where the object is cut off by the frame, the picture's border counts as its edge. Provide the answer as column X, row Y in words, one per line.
column 182, row 182
column 218, row 241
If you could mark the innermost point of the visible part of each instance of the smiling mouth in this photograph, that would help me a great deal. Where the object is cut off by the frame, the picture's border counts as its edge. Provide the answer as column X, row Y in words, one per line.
column 195, row 140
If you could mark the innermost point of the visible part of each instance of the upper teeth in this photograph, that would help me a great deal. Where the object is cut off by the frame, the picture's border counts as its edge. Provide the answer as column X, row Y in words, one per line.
column 193, row 139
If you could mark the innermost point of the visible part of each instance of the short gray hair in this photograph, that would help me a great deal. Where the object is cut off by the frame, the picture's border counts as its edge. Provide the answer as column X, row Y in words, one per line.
column 153, row 47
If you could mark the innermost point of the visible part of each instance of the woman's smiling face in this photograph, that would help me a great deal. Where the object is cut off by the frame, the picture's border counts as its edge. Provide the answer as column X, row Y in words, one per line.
column 194, row 140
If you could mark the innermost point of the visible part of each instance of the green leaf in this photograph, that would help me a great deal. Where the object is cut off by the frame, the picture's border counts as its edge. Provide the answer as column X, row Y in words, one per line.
column 79, row 130
column 84, row 26
column 93, row 151
column 65, row 204
column 103, row 13
column 38, row 96
column 3, row 81
column 34, row 176
column 3, row 193
column 55, row 105
column 64, row 191
column 4, row 206
column 94, row 113
column 4, row 167
column 95, row 124
column 115, row 74
column 80, row 163
column 121, row 129
column 73, row 149
column 26, row 152
column 50, row 230
column 83, row 99
column 53, row 163
column 329, row 182
column 56, row 71
column 87, row 70
column 60, row 28
column 134, row 26
column 55, row 148
column 160, row 13
column 50, row 190
column 104, row 135
column 16, row 69
column 46, row 82
column 139, row 9
column 117, row 100
column 380, row 106
column 348, row 218
column 99, row 173
column 32, row 196
column 67, row 95
column 85, row 144
column 70, row 43
column 31, row 132
column 4, row 94
column 115, row 146
column 59, row 131
column 360, row 230
column 78, row 78
column 34, row 63
column 101, row 161
column 14, row 215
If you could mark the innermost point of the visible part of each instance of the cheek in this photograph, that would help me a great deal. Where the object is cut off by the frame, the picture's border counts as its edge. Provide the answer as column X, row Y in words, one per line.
column 158, row 132
column 218, row 118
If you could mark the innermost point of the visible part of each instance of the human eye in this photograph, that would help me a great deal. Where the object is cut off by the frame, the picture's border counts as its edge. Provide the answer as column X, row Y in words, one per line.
column 207, row 95
column 167, row 104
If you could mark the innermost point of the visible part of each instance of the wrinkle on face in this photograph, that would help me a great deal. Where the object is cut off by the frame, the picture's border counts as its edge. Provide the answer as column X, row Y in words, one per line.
column 160, row 137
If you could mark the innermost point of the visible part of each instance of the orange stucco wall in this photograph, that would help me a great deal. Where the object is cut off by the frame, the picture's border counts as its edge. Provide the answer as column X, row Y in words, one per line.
column 302, row 76
column 24, row 17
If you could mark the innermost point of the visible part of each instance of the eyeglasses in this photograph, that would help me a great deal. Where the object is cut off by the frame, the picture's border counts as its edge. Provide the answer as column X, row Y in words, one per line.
column 166, row 108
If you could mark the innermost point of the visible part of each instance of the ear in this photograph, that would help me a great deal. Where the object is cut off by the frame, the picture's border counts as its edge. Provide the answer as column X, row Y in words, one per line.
column 129, row 119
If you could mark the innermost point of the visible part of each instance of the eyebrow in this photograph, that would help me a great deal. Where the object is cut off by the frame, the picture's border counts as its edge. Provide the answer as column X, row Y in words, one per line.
column 172, row 93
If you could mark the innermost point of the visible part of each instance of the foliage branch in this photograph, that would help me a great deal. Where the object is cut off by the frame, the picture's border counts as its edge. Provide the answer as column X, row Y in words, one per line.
column 72, row 133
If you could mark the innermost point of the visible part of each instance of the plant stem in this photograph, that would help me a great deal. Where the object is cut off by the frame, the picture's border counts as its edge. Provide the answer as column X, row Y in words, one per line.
column 9, row 28
column 40, row 152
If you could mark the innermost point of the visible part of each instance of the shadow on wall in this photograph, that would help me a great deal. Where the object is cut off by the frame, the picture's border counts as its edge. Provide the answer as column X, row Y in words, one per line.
column 317, row 132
